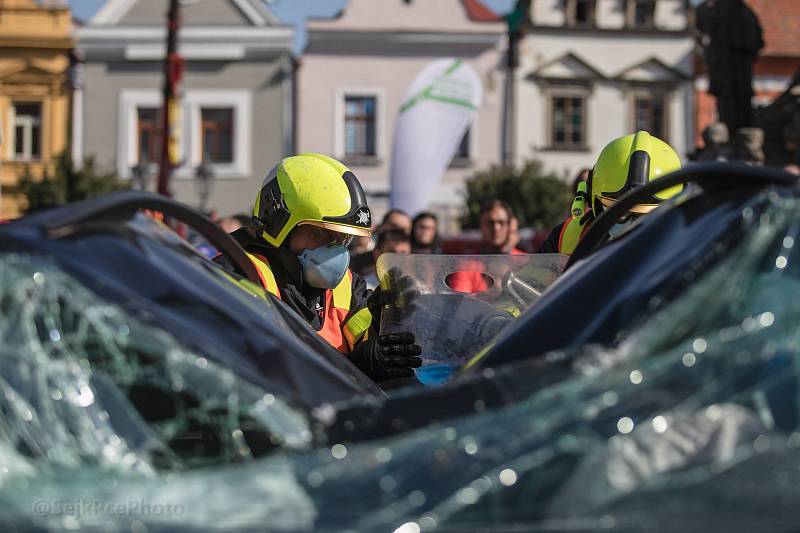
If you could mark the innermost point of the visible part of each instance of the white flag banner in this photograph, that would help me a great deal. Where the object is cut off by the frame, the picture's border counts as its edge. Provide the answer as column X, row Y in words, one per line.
column 436, row 113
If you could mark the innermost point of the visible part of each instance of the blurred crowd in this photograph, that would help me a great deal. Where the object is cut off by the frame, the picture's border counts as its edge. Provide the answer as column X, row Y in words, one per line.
column 399, row 233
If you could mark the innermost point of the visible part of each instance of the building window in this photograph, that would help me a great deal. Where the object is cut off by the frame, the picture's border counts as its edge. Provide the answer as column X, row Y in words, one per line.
column 463, row 147
column 461, row 159
column 148, row 134
column 649, row 114
column 27, row 131
column 641, row 13
column 580, row 12
column 359, row 126
column 216, row 122
column 568, row 126
column 217, row 134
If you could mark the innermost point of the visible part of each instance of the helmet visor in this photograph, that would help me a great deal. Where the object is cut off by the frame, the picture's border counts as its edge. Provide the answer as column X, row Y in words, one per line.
column 338, row 228
column 322, row 236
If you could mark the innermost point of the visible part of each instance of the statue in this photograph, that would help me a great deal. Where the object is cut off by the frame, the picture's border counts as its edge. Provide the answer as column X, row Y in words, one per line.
column 731, row 39
column 748, row 146
column 716, row 138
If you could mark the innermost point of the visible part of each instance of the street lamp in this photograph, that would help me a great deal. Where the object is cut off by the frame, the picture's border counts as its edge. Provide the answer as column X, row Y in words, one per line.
column 141, row 174
column 204, row 180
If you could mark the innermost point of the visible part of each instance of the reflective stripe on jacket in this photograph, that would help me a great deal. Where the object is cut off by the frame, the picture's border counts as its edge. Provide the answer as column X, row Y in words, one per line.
column 341, row 332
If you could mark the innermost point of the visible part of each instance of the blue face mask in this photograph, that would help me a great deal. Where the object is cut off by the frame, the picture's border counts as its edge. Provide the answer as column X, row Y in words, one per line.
column 324, row 267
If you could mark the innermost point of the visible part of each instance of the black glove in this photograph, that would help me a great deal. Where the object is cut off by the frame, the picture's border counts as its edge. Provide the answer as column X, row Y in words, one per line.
column 388, row 356
column 401, row 297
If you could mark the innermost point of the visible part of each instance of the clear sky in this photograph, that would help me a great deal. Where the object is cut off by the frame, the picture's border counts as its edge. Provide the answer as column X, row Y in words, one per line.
column 289, row 11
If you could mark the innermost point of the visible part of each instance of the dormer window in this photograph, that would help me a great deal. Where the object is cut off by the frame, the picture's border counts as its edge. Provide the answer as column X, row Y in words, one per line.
column 580, row 13
column 641, row 13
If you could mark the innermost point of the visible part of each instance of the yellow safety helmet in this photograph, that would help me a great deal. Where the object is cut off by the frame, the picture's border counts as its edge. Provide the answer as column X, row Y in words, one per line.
column 310, row 189
column 630, row 162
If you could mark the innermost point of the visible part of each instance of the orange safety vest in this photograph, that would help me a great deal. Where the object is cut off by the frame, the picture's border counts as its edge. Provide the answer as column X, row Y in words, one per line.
column 340, row 333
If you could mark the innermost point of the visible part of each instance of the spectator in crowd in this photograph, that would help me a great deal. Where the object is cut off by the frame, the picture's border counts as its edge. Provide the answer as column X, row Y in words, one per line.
column 496, row 229
column 499, row 235
column 425, row 234
column 513, row 237
column 389, row 239
column 397, row 218
column 363, row 262
column 361, row 245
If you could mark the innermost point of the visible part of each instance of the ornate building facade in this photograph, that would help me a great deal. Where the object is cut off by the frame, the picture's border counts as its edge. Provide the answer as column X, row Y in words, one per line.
column 35, row 45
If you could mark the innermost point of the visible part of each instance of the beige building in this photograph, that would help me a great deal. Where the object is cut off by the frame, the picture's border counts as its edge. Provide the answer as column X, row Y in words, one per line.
column 35, row 44
column 357, row 68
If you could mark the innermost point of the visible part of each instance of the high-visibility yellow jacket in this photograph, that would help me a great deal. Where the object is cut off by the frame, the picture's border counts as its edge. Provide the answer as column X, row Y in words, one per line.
column 340, row 315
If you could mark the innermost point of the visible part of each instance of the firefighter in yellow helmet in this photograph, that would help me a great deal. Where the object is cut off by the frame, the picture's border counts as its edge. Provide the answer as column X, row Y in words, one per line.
column 624, row 164
column 308, row 209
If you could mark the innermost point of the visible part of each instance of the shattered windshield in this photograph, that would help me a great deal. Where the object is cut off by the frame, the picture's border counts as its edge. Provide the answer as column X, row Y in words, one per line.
column 84, row 379
column 690, row 423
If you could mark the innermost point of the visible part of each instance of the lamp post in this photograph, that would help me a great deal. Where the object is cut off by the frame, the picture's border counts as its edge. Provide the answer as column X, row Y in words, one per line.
column 173, row 74
column 517, row 22
column 204, row 180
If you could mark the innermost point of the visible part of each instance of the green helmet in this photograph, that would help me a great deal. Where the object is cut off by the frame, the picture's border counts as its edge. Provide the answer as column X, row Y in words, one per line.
column 310, row 189
column 630, row 162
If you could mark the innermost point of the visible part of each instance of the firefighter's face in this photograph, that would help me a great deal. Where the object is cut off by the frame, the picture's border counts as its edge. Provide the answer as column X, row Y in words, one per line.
column 307, row 237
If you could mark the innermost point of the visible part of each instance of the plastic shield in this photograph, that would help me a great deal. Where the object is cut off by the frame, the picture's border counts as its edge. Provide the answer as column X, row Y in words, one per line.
column 463, row 301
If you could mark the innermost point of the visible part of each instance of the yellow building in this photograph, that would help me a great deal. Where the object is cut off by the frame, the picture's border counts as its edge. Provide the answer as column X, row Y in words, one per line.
column 35, row 44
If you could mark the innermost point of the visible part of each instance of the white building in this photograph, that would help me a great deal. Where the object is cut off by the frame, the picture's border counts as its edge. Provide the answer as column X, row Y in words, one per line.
column 358, row 66
column 594, row 70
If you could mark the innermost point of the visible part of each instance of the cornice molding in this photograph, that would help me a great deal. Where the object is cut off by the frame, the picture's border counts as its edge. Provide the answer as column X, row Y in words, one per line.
column 396, row 43
column 540, row 71
column 592, row 30
column 21, row 41
column 139, row 34
column 674, row 73
column 198, row 42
